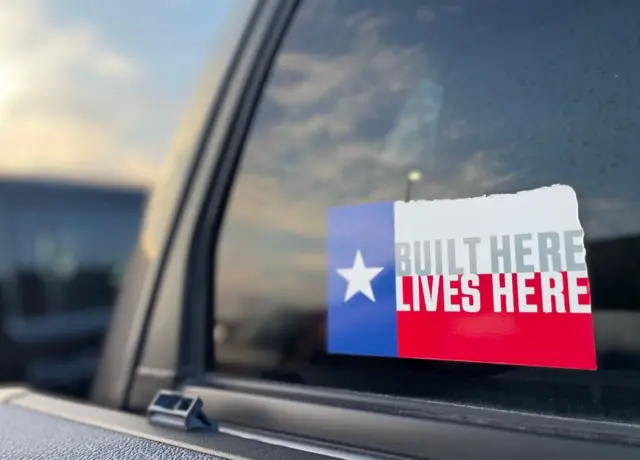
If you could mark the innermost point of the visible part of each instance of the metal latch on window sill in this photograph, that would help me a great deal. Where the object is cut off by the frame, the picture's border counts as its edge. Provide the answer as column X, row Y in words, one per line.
column 172, row 409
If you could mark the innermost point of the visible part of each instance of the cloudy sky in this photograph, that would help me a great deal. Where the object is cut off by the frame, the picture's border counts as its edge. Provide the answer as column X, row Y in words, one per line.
column 93, row 90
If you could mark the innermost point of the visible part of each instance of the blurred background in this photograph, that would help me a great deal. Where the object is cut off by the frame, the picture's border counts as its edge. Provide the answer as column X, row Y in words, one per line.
column 90, row 96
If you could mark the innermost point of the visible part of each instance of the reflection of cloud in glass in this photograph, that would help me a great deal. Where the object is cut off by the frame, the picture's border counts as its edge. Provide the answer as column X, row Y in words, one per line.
column 425, row 15
column 413, row 137
column 348, row 113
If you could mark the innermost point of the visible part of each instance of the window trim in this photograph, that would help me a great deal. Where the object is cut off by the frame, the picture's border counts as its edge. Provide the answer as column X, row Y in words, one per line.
column 462, row 432
column 447, row 412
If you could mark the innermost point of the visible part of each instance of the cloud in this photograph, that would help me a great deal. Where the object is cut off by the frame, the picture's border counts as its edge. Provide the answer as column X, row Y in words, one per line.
column 70, row 103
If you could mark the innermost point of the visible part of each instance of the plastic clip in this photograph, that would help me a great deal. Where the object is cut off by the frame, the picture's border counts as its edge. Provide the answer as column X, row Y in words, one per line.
column 174, row 410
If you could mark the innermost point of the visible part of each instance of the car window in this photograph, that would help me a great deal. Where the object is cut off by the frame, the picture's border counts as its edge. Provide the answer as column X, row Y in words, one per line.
column 54, row 229
column 374, row 101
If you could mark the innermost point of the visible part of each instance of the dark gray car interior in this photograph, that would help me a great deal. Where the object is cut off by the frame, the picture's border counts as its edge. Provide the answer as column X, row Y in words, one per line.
column 46, row 427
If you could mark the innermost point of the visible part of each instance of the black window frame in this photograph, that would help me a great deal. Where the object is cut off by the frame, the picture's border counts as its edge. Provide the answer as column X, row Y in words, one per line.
column 173, row 346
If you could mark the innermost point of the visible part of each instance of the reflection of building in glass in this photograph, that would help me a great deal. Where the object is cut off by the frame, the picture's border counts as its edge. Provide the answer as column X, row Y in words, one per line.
column 55, row 256
column 45, row 249
column 61, row 245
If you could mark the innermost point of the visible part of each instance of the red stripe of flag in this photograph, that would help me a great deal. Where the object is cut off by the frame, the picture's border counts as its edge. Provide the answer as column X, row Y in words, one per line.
column 552, row 339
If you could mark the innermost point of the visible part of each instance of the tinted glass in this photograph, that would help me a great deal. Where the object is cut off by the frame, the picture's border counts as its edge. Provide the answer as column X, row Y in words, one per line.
column 33, row 243
column 94, row 246
column 71, row 245
column 481, row 97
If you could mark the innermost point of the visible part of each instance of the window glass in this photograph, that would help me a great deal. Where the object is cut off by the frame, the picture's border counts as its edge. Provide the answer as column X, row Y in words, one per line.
column 94, row 243
column 72, row 244
column 33, row 255
column 372, row 100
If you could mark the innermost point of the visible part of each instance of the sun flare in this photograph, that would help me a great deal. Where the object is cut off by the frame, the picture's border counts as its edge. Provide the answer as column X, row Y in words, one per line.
column 10, row 87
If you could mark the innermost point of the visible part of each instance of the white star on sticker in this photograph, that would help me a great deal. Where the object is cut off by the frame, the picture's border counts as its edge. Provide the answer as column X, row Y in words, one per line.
column 359, row 278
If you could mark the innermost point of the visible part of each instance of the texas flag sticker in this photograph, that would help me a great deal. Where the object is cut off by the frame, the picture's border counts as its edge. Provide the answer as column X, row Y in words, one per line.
column 497, row 279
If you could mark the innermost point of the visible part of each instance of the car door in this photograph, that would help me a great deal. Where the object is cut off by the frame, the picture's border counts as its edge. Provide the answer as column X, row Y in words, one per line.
column 309, row 123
